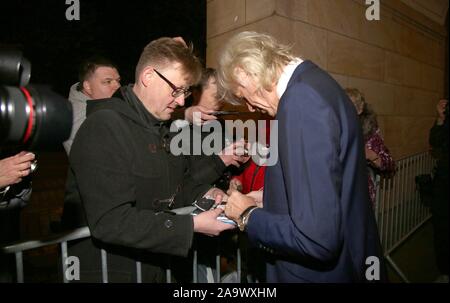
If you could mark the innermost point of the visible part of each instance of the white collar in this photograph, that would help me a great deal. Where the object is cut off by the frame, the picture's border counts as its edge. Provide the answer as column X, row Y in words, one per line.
column 286, row 76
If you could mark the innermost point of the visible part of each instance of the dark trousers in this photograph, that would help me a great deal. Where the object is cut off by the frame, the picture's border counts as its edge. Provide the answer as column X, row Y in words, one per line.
column 440, row 220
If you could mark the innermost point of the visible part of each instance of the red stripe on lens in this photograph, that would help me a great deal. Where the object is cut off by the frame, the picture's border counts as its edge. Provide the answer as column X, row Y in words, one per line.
column 30, row 116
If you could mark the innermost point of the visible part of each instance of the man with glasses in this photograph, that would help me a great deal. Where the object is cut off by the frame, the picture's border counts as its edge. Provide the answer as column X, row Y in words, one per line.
column 124, row 181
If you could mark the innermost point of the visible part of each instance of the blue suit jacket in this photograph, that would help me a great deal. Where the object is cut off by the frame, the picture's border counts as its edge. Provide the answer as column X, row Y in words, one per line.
column 317, row 224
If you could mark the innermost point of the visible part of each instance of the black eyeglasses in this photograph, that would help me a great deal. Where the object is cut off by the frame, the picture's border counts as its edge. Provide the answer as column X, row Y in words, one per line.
column 177, row 91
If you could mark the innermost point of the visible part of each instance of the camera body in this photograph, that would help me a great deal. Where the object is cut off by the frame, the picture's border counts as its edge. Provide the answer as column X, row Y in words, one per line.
column 31, row 116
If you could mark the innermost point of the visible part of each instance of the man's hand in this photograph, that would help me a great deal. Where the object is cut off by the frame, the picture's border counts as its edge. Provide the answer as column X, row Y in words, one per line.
column 257, row 195
column 207, row 223
column 440, row 108
column 234, row 154
column 14, row 168
column 235, row 184
column 236, row 204
column 372, row 157
column 216, row 194
column 203, row 114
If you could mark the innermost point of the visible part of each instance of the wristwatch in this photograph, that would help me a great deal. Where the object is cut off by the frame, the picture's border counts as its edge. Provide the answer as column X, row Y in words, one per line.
column 243, row 218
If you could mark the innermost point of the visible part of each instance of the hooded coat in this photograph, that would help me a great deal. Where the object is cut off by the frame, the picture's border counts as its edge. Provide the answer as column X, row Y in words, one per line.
column 78, row 100
column 120, row 180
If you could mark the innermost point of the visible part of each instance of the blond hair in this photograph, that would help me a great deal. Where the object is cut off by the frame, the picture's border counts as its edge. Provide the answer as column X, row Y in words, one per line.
column 165, row 51
column 356, row 96
column 259, row 55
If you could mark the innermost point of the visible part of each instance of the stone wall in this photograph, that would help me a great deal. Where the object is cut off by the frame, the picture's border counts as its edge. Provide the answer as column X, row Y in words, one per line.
column 398, row 61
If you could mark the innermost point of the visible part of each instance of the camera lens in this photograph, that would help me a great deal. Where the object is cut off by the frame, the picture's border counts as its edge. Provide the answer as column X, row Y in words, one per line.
column 33, row 116
column 14, row 68
column 13, row 114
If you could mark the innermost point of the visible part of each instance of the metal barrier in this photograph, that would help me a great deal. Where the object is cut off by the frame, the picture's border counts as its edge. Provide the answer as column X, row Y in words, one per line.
column 61, row 239
column 81, row 233
column 399, row 213
column 398, row 209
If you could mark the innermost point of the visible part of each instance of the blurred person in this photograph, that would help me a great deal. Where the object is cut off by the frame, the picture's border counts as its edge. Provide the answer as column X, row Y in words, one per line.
column 98, row 79
column 439, row 140
column 124, row 181
column 378, row 157
column 252, row 177
column 316, row 224
column 205, row 93
column 251, row 181
column 223, row 159
column 205, row 100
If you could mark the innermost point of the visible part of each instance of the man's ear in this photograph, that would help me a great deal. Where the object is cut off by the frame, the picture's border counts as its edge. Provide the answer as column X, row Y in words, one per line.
column 250, row 107
column 147, row 75
column 87, row 89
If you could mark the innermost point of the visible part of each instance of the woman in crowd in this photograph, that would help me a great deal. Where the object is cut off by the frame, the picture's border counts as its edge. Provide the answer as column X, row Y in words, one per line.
column 379, row 159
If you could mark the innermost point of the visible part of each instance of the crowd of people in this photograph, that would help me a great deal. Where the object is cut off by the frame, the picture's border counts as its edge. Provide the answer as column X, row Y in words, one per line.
column 308, row 218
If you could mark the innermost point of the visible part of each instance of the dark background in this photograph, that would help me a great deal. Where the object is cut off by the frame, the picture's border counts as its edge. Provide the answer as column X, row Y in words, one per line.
column 118, row 30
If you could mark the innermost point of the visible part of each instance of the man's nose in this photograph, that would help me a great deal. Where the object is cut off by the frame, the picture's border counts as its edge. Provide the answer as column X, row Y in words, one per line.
column 180, row 100
column 116, row 85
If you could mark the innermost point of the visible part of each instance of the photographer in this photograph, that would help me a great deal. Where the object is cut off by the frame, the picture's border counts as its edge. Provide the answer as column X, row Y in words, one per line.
column 12, row 170
column 15, row 192
column 439, row 137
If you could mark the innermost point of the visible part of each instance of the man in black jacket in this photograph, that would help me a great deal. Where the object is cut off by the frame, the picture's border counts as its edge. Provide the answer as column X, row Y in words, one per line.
column 439, row 140
column 126, row 179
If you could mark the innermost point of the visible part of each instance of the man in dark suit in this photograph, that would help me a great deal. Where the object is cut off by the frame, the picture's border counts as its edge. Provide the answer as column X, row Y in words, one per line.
column 316, row 224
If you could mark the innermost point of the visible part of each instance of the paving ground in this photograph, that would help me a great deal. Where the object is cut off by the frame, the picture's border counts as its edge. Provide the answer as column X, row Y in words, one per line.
column 415, row 257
